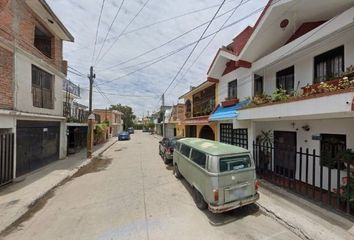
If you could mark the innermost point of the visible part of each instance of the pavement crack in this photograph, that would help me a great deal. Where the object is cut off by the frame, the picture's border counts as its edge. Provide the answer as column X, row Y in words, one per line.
column 145, row 211
column 296, row 230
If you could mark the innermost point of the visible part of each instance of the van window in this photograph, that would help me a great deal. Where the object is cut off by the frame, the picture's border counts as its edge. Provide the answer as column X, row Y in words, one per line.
column 185, row 150
column 177, row 146
column 234, row 163
column 198, row 157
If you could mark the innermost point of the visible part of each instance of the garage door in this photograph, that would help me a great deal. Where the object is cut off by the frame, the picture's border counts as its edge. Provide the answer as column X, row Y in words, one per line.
column 37, row 145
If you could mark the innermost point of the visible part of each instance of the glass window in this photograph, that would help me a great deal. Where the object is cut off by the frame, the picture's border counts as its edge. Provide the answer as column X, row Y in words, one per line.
column 198, row 157
column 178, row 145
column 234, row 163
column 232, row 89
column 258, row 85
column 329, row 65
column 42, row 88
column 285, row 79
column 185, row 150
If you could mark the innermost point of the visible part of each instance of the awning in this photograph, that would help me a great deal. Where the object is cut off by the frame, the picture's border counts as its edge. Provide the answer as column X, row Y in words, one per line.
column 227, row 113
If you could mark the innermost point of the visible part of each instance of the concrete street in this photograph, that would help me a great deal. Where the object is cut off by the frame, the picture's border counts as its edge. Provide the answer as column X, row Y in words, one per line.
column 130, row 194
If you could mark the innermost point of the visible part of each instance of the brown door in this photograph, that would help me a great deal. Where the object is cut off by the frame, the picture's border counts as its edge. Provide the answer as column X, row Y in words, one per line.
column 285, row 153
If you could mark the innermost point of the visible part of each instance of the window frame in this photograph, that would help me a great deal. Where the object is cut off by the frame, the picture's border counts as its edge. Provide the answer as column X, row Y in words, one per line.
column 197, row 163
column 40, row 86
column 287, row 75
column 184, row 145
column 232, row 87
column 256, row 91
column 327, row 58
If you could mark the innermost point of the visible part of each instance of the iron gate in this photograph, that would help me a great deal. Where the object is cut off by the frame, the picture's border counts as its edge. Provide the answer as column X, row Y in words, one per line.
column 6, row 158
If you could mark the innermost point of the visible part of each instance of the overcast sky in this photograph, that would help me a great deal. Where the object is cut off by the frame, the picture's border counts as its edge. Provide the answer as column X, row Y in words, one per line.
column 142, row 90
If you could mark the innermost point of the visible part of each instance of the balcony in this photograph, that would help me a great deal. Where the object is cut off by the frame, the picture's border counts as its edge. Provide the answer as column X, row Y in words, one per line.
column 75, row 113
column 204, row 102
column 71, row 88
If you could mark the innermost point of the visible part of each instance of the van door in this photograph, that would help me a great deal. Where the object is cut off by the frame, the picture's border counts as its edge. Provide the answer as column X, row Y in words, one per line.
column 183, row 163
column 237, row 177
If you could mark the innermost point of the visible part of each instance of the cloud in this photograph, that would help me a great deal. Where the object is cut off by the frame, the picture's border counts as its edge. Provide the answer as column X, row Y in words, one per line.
column 149, row 83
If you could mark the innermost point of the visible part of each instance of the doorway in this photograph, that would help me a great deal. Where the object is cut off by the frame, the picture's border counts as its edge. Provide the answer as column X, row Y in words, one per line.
column 207, row 133
column 285, row 153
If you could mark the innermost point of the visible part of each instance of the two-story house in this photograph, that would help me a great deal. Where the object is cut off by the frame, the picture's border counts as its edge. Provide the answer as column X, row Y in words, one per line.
column 32, row 71
column 114, row 119
column 199, row 103
column 177, row 116
column 295, row 68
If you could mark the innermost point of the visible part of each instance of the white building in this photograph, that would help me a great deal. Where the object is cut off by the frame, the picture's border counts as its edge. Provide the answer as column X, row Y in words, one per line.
column 294, row 45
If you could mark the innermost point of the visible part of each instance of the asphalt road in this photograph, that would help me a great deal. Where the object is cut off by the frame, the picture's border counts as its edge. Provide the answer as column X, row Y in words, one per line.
column 131, row 194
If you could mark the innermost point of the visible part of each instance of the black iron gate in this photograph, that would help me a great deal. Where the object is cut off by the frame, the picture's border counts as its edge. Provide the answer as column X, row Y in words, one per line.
column 37, row 145
column 6, row 157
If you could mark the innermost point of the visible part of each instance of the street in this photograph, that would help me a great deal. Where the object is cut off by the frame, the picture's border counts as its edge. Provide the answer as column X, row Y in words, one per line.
column 131, row 194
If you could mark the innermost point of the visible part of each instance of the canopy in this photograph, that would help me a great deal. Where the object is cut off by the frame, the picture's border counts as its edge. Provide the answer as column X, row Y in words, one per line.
column 227, row 113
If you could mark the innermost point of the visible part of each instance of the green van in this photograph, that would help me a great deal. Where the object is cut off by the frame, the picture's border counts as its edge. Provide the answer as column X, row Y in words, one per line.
column 223, row 176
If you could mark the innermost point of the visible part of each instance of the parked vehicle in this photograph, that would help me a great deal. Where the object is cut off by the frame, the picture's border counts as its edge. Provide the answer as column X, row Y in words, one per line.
column 145, row 130
column 123, row 136
column 131, row 130
column 223, row 176
column 166, row 148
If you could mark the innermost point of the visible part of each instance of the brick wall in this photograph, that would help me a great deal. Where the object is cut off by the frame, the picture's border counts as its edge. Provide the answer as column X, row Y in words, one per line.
column 18, row 21
column 6, row 71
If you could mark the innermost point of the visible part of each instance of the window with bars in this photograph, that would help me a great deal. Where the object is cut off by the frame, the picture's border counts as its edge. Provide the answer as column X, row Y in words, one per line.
column 42, row 88
column 238, row 137
column 329, row 65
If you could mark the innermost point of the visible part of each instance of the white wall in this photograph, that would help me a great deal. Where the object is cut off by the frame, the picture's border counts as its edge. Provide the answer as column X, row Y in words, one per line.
column 244, row 83
column 304, row 61
column 23, row 86
column 304, row 140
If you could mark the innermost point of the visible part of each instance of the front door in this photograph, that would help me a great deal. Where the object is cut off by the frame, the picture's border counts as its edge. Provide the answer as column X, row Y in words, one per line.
column 191, row 131
column 285, row 153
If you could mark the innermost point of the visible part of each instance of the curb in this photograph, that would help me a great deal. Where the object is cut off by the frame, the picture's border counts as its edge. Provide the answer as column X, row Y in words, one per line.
column 61, row 182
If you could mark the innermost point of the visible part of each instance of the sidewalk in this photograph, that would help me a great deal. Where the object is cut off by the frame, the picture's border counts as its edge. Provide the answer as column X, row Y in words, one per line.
column 304, row 218
column 16, row 198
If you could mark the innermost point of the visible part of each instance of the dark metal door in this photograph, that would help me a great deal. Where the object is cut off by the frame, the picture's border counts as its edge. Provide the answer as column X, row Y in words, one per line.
column 6, row 157
column 285, row 153
column 37, row 145
column 191, row 131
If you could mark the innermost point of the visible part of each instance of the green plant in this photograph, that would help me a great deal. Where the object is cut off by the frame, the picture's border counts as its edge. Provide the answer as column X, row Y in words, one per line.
column 347, row 190
column 261, row 99
column 265, row 138
column 280, row 95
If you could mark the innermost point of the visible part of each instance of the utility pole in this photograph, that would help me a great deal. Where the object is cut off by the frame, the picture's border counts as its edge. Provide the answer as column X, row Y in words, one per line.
column 91, row 117
column 163, row 115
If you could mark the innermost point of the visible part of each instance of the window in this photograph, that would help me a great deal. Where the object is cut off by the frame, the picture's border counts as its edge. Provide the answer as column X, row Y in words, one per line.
column 232, row 89
column 285, row 79
column 43, row 41
column 329, row 65
column 198, row 157
column 42, row 88
column 234, row 163
column 188, row 106
column 331, row 145
column 185, row 150
column 178, row 145
column 258, row 85
column 238, row 137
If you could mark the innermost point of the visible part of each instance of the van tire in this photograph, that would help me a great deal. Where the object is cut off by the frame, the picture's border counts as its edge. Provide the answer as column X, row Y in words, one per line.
column 199, row 200
column 176, row 172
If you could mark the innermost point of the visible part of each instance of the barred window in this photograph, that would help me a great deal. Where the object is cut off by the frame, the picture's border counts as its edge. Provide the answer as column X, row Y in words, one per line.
column 238, row 137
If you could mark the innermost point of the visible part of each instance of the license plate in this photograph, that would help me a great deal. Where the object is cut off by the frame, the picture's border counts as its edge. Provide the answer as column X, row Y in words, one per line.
column 238, row 193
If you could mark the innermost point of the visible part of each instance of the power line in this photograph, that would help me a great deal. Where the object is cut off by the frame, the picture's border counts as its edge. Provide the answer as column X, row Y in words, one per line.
column 210, row 41
column 110, row 27
column 126, row 27
column 166, row 43
column 98, row 26
column 195, row 46
column 171, row 53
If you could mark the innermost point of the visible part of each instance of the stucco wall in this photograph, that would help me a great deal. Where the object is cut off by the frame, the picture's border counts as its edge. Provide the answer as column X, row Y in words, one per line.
column 304, row 140
column 23, row 83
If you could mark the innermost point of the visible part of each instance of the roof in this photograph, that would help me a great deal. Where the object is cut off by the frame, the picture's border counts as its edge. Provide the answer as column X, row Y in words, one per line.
column 209, row 82
column 212, row 147
column 43, row 10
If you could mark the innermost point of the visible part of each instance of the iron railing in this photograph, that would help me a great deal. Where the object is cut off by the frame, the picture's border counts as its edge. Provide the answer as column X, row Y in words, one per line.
column 6, row 158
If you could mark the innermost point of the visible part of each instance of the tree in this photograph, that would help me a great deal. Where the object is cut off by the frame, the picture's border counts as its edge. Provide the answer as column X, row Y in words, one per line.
column 128, row 115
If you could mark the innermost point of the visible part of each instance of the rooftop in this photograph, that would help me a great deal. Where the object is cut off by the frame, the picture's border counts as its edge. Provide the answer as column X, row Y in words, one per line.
column 212, row 147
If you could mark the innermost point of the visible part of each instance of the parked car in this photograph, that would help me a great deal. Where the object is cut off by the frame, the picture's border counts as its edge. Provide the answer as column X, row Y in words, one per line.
column 223, row 176
column 131, row 130
column 166, row 148
column 123, row 136
column 145, row 130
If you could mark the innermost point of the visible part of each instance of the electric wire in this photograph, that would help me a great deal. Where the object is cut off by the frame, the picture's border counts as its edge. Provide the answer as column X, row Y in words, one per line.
column 97, row 28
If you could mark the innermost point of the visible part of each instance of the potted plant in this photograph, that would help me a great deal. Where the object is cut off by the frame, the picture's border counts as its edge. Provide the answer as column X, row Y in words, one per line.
column 229, row 102
column 265, row 141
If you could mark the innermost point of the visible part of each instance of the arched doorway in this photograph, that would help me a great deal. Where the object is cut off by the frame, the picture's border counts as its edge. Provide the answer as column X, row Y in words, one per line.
column 207, row 133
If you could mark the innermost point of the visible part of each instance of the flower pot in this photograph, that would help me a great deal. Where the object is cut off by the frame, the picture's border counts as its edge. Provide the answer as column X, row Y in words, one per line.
column 231, row 102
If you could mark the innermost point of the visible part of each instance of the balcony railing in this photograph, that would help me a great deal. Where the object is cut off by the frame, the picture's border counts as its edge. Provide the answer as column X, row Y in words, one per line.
column 71, row 88
column 203, row 107
column 74, row 114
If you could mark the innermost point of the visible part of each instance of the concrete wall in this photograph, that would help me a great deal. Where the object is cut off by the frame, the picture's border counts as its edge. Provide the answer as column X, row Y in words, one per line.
column 23, row 81
column 304, row 140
